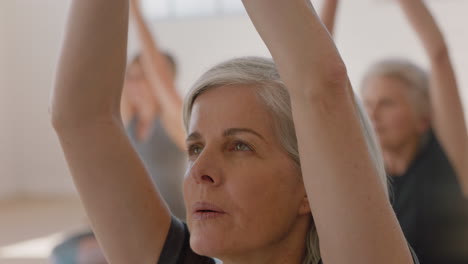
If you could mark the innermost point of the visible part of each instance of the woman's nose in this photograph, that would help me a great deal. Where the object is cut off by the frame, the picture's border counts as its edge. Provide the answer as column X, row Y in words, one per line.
column 206, row 169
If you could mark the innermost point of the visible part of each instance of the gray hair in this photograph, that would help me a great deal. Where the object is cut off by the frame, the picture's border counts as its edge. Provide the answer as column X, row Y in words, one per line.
column 262, row 74
column 414, row 76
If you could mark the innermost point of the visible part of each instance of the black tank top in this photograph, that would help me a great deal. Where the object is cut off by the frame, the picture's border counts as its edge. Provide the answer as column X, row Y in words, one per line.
column 177, row 249
column 430, row 206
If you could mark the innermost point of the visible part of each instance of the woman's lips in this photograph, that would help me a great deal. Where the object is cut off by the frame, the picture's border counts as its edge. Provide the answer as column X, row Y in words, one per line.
column 205, row 210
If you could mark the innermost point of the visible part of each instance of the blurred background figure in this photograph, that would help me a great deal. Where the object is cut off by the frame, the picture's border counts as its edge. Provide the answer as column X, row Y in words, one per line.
column 78, row 249
column 420, row 123
column 142, row 113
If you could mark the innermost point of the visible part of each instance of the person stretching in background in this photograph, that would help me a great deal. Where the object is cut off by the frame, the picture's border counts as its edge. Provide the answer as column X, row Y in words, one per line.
column 420, row 124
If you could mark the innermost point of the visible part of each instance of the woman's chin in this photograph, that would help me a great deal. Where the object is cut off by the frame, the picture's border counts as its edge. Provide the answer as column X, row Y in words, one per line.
column 206, row 245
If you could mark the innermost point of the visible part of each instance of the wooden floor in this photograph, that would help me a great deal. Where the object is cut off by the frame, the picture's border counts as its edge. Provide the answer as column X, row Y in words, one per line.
column 30, row 227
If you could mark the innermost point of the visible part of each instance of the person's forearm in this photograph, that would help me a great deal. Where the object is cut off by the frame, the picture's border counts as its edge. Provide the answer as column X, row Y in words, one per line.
column 92, row 64
column 328, row 14
column 425, row 26
column 155, row 65
column 293, row 33
column 149, row 47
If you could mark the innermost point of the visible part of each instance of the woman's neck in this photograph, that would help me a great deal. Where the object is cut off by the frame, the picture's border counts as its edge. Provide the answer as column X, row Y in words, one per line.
column 289, row 250
column 398, row 159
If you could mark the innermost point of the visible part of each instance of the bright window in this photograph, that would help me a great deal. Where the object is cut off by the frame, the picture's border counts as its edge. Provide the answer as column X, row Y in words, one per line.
column 160, row 9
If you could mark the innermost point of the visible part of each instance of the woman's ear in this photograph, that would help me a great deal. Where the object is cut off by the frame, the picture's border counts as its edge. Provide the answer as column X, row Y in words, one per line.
column 304, row 207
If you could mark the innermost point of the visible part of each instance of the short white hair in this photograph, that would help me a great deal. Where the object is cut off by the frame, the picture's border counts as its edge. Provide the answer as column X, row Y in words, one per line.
column 416, row 78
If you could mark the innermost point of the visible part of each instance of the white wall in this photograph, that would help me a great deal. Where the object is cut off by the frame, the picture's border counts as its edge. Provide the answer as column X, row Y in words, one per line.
column 369, row 30
column 35, row 160
column 33, row 33
column 202, row 43
column 7, row 185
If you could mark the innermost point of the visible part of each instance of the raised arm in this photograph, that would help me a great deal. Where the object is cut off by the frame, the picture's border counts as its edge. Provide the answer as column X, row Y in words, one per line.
column 447, row 111
column 156, row 68
column 328, row 14
column 354, row 219
column 130, row 219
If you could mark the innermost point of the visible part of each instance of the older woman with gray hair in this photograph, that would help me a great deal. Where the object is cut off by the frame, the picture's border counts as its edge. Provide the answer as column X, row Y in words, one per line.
column 421, row 127
column 281, row 169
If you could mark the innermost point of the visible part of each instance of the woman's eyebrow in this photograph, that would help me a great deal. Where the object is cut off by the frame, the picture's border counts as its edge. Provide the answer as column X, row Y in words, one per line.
column 234, row 131
column 193, row 136
column 228, row 132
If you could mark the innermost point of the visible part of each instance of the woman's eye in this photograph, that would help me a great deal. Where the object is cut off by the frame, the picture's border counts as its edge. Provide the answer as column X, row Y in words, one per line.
column 194, row 150
column 239, row 146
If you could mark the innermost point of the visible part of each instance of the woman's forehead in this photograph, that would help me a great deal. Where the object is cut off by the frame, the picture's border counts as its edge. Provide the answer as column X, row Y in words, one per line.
column 385, row 86
column 230, row 107
column 229, row 100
